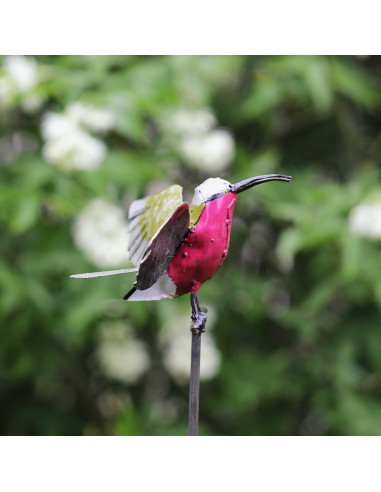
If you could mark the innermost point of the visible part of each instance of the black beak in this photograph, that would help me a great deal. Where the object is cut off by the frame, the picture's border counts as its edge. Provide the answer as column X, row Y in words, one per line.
column 248, row 183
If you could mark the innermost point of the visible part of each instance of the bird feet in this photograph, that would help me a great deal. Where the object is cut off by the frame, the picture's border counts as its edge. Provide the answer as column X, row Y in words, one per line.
column 199, row 319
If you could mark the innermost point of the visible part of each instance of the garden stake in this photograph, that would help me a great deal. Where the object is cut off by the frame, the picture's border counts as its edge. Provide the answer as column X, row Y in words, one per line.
column 176, row 248
column 194, row 380
column 194, row 385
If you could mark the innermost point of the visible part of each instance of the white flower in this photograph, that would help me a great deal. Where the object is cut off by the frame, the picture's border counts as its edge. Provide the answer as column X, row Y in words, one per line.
column 22, row 71
column 68, row 143
column 200, row 144
column 20, row 77
column 212, row 152
column 193, row 122
column 54, row 125
column 76, row 150
column 177, row 349
column 365, row 220
column 69, row 146
column 96, row 119
column 100, row 232
column 121, row 356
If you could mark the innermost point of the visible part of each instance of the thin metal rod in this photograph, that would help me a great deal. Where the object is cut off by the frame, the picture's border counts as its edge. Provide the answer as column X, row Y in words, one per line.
column 104, row 274
column 194, row 386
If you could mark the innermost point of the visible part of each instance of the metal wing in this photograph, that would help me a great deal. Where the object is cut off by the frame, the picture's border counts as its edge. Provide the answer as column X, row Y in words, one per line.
column 148, row 218
column 163, row 248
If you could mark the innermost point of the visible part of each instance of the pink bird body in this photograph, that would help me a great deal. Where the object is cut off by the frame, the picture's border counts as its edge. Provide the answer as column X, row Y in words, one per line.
column 205, row 247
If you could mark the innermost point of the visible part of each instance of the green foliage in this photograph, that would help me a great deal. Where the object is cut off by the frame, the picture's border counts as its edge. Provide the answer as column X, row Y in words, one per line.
column 295, row 310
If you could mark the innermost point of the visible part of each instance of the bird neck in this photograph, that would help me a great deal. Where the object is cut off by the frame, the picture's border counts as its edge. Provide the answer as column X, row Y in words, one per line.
column 217, row 213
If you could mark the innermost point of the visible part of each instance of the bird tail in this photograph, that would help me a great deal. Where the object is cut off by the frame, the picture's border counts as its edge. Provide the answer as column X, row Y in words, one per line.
column 129, row 294
column 104, row 274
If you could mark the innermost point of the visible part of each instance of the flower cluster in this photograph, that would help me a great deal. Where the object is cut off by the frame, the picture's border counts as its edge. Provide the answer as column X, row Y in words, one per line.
column 100, row 232
column 199, row 143
column 68, row 142
column 175, row 342
column 365, row 220
column 121, row 356
column 19, row 79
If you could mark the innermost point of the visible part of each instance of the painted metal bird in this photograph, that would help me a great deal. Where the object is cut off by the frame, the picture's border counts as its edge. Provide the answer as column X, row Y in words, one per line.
column 176, row 248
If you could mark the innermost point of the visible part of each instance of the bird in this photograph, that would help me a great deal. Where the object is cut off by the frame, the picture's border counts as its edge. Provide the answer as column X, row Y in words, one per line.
column 176, row 247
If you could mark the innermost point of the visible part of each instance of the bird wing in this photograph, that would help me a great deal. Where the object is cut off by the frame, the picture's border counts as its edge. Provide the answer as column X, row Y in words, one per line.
column 156, row 228
column 163, row 248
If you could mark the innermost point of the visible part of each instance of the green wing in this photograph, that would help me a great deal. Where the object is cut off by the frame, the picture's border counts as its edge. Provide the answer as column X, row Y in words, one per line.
column 147, row 217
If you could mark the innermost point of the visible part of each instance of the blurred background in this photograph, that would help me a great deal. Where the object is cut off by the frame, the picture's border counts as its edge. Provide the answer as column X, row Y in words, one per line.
column 293, row 341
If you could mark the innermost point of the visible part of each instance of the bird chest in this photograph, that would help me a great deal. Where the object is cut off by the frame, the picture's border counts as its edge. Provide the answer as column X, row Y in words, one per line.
column 205, row 247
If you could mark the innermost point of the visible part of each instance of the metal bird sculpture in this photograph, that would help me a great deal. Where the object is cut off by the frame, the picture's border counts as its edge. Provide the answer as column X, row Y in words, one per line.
column 177, row 247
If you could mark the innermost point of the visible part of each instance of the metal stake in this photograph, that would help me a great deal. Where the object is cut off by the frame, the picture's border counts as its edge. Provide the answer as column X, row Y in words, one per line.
column 194, row 386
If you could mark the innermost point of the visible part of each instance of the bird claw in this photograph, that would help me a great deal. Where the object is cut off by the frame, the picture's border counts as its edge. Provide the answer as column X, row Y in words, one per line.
column 198, row 323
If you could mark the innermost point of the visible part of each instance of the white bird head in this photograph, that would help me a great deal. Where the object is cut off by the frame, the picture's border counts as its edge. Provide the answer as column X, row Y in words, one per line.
column 214, row 188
